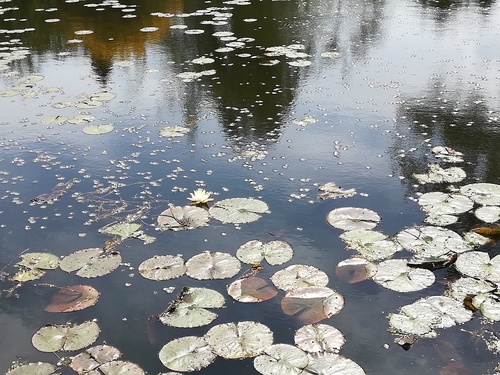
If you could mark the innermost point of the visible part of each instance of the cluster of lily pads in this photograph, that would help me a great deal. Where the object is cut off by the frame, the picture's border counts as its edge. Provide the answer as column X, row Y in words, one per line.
column 431, row 247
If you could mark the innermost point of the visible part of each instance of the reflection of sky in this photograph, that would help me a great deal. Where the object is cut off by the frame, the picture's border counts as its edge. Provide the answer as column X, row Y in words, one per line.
column 354, row 99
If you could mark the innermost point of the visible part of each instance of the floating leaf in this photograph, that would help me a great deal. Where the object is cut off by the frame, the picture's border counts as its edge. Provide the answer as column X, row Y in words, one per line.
column 478, row 264
column 124, row 230
column 437, row 175
column 53, row 338
column 102, row 96
column 437, row 203
column 332, row 191
column 432, row 241
column 81, row 118
column 190, row 308
column 120, row 367
column 54, row 120
column 372, row 245
column 239, row 340
column 482, row 193
column 73, row 298
column 488, row 214
column 183, row 218
column 441, row 220
column 26, row 274
column 212, row 265
column 281, row 359
column 394, row 274
column 331, row 363
column 39, row 368
column 94, row 357
column 88, row 104
column 299, row 276
column 251, row 289
column 274, row 252
column 45, row 261
column 422, row 316
column 174, row 131
column 91, row 262
column 355, row 270
column 162, row 267
column 447, row 154
column 312, row 304
column 469, row 286
column 315, row 338
column 433, row 263
column 98, row 129
column 188, row 353
column 350, row 218
column 489, row 305
column 238, row 210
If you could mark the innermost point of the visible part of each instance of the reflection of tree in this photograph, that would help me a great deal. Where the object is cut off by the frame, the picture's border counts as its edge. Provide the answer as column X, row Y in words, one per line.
column 444, row 7
column 113, row 36
column 462, row 123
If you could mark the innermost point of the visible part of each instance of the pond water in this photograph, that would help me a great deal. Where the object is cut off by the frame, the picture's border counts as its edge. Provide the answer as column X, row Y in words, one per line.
column 359, row 97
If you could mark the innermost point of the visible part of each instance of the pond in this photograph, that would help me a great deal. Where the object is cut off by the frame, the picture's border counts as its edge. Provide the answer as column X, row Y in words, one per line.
column 114, row 112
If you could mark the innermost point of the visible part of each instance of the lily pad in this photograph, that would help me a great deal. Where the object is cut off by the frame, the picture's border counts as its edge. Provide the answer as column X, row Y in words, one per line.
column 88, row 104
column 190, row 353
column 93, row 262
column 26, row 274
column 447, row 154
column 469, row 286
column 238, row 210
column 488, row 214
column 38, row 368
column 372, row 245
column 81, row 118
column 45, row 261
column 120, row 367
column 94, row 357
column 244, row 339
column 98, row 129
column 124, row 230
column 73, row 298
column 437, row 203
column 299, row 276
column 441, row 220
column 482, row 193
column 350, row 218
column 274, row 252
column 426, row 314
column 354, row 270
column 478, row 264
column 432, row 241
column 190, row 308
column 395, row 274
column 54, row 120
column 173, row 131
column 212, row 265
column 162, row 267
column 281, row 359
column 102, row 96
column 183, row 218
column 437, row 175
column 53, row 338
column 316, row 338
column 489, row 305
column 331, row 363
column 251, row 289
column 312, row 304
column 331, row 191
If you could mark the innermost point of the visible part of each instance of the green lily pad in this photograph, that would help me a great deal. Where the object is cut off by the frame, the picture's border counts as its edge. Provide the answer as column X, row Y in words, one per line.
column 124, row 230
column 299, row 276
column 102, row 96
column 190, row 308
column 478, row 264
column 331, row 363
column 94, row 357
column 331, row 191
column 88, row 104
column 239, row 340
column 26, row 274
column 395, row 274
column 38, row 368
column 372, row 245
column 469, row 286
column 238, row 210
column 188, row 353
column 212, row 265
column 45, row 261
column 53, row 338
column 91, row 262
column 482, row 193
column 281, row 359
column 350, row 218
column 488, row 214
column 183, row 218
column 437, row 203
column 98, row 129
column 173, row 131
column 274, row 252
column 317, row 338
column 437, row 175
column 163, row 267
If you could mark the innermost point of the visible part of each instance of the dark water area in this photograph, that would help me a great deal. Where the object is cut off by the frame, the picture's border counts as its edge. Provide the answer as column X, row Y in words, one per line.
column 363, row 92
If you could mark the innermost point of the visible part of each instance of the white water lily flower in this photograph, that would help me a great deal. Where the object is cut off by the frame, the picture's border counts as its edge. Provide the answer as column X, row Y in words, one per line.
column 200, row 196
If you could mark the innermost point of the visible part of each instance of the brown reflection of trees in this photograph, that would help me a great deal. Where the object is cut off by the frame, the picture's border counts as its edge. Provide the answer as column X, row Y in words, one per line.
column 445, row 7
column 464, row 123
column 113, row 37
